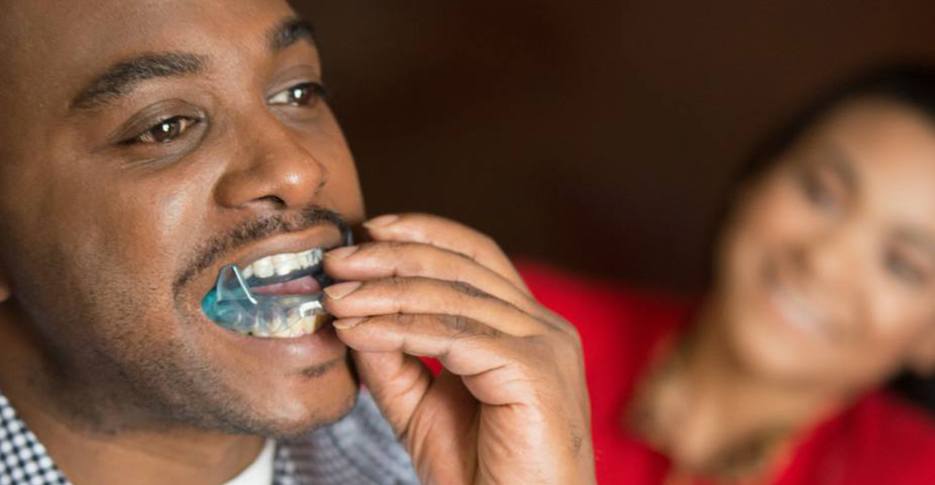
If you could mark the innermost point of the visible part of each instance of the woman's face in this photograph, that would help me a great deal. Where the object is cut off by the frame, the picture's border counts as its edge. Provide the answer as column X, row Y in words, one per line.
column 826, row 272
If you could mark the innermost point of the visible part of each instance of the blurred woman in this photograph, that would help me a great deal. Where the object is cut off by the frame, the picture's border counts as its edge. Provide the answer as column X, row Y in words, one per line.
column 823, row 290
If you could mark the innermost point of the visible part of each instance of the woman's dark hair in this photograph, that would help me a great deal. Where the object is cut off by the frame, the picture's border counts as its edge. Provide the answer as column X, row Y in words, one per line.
column 912, row 85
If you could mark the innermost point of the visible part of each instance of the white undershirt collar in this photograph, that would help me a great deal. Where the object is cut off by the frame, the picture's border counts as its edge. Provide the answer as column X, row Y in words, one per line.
column 260, row 472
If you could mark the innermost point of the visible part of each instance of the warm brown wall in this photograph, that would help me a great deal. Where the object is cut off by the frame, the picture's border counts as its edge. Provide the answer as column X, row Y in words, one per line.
column 595, row 134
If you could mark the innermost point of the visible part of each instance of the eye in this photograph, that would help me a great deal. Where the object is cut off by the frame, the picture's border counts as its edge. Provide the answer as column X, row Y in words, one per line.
column 304, row 94
column 903, row 268
column 816, row 190
column 165, row 131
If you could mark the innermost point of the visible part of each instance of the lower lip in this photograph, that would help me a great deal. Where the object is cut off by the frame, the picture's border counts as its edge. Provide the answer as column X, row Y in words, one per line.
column 776, row 303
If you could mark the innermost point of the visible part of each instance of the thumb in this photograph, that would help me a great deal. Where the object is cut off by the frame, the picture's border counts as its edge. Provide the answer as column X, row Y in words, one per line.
column 397, row 382
column 441, row 441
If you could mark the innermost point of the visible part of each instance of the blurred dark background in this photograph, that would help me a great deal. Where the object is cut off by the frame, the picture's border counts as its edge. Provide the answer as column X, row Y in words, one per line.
column 596, row 135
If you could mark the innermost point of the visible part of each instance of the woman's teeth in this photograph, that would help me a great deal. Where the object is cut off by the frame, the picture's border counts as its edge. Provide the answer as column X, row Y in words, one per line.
column 283, row 264
column 795, row 309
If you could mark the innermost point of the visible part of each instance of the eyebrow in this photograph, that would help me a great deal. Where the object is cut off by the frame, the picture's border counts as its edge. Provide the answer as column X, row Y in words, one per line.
column 119, row 79
column 842, row 166
column 288, row 32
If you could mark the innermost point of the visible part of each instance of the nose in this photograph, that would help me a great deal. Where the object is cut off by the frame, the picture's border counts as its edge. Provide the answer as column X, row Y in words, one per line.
column 829, row 255
column 828, row 266
column 272, row 169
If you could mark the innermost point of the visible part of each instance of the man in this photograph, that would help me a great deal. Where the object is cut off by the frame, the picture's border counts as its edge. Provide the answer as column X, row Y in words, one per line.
column 146, row 145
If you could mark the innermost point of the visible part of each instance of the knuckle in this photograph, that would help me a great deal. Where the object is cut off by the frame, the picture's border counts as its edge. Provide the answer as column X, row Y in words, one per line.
column 468, row 290
column 539, row 346
column 456, row 324
column 570, row 345
column 571, row 336
column 396, row 246
column 464, row 258
column 380, row 248
column 460, row 326
column 409, row 259
column 405, row 319
column 562, row 325
column 396, row 285
column 368, row 248
column 556, row 349
column 488, row 243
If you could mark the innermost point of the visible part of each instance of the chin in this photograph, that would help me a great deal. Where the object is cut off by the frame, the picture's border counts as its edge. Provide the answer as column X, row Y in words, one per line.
column 284, row 407
column 761, row 342
column 312, row 402
column 760, row 353
column 769, row 354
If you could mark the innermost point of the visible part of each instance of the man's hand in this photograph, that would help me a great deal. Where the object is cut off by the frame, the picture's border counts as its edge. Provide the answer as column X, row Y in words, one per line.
column 510, row 405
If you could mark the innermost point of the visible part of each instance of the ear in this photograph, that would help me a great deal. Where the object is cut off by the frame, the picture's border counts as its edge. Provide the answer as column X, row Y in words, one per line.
column 922, row 354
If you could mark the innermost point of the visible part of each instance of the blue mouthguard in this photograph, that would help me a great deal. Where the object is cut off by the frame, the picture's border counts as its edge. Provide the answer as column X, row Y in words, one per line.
column 233, row 306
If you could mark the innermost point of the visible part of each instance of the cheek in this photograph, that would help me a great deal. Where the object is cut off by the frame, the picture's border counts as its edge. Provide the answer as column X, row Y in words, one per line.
column 91, row 271
column 768, row 216
column 895, row 319
column 776, row 209
column 134, row 235
column 144, row 231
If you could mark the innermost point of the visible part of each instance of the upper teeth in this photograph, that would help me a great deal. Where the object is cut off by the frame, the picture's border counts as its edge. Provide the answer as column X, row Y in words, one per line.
column 282, row 264
column 796, row 309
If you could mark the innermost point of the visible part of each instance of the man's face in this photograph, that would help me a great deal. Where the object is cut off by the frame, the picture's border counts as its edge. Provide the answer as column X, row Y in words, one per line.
column 143, row 146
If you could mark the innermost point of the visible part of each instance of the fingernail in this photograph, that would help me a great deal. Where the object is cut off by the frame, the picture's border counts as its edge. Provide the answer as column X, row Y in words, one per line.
column 346, row 323
column 340, row 290
column 341, row 253
column 381, row 221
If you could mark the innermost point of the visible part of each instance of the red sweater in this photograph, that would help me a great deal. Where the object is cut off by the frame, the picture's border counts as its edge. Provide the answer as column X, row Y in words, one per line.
column 879, row 440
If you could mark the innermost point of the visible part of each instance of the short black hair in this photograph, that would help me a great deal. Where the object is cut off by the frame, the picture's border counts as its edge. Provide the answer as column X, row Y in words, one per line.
column 908, row 84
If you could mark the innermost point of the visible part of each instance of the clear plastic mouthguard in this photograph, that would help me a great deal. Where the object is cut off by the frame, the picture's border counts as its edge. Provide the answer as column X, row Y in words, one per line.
column 232, row 305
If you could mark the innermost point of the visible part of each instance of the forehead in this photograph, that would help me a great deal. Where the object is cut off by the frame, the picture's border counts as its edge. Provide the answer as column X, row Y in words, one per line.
column 891, row 149
column 53, row 46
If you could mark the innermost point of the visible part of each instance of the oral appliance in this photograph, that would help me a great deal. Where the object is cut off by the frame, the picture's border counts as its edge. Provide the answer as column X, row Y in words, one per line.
column 235, row 304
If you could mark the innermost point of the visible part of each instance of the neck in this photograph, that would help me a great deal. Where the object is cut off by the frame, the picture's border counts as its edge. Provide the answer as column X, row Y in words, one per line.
column 95, row 451
column 714, row 416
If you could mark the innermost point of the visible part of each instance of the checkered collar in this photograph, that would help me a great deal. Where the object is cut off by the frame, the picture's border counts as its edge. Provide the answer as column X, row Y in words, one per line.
column 361, row 449
column 23, row 459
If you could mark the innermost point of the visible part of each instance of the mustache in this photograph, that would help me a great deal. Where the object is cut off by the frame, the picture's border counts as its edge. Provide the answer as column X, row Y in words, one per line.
column 255, row 230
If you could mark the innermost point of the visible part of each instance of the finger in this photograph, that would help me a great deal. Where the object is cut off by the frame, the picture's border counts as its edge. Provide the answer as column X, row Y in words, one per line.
column 423, row 295
column 400, row 385
column 492, row 364
column 408, row 259
column 398, row 382
column 448, row 235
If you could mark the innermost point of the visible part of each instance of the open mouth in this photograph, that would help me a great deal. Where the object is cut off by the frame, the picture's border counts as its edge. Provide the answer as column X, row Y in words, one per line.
column 288, row 273
column 793, row 305
column 795, row 309
column 277, row 296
